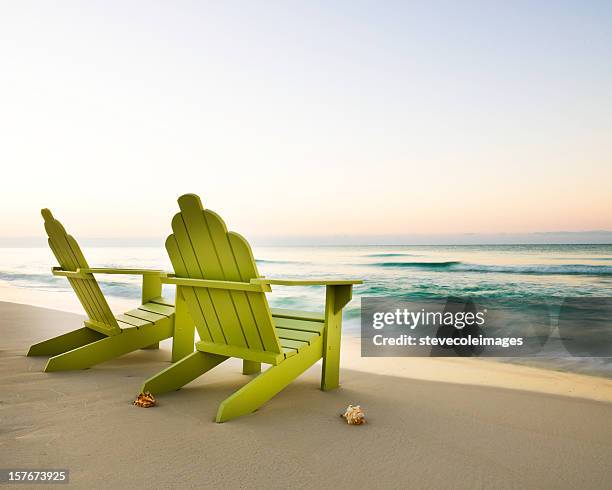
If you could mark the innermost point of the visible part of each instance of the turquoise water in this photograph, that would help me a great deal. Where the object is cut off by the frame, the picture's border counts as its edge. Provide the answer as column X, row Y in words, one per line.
column 513, row 272
column 507, row 272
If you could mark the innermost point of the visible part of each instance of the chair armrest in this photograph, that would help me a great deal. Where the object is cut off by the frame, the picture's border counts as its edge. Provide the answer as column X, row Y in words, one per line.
column 206, row 283
column 82, row 273
column 151, row 278
column 108, row 270
column 306, row 282
column 58, row 271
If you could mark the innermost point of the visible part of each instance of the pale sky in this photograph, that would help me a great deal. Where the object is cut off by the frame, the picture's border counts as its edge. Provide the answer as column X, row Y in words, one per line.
column 307, row 118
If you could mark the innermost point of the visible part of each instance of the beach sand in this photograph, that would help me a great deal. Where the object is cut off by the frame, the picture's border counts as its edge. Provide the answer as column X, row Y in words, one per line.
column 432, row 423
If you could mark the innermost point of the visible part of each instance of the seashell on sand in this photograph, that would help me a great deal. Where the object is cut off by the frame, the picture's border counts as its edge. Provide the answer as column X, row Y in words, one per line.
column 354, row 415
column 145, row 400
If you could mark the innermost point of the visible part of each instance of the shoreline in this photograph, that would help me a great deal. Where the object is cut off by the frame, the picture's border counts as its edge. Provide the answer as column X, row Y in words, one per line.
column 47, row 299
column 482, row 372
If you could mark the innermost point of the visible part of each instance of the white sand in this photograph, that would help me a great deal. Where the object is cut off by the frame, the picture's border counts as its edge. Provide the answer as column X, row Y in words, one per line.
column 433, row 423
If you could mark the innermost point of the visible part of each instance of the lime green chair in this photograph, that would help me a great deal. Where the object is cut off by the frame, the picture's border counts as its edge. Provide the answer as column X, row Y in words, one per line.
column 216, row 276
column 105, row 336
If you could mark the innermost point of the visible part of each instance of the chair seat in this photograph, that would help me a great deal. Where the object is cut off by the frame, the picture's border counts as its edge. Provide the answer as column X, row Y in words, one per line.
column 148, row 314
column 294, row 334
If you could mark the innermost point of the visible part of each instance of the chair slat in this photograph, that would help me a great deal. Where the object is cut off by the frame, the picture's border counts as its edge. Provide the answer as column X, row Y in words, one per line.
column 304, row 325
column 157, row 308
column 131, row 320
column 284, row 333
column 298, row 315
column 145, row 315
column 288, row 351
column 293, row 344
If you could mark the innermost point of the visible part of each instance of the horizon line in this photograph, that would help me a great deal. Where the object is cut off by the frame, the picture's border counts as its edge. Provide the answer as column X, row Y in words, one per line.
column 595, row 237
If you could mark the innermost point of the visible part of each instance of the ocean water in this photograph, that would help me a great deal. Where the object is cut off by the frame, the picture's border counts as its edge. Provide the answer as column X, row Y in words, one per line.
column 516, row 273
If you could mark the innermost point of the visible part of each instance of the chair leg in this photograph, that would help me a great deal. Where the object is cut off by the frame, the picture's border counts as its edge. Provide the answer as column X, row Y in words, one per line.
column 251, row 367
column 182, row 372
column 335, row 298
column 65, row 342
column 184, row 329
column 251, row 396
column 108, row 348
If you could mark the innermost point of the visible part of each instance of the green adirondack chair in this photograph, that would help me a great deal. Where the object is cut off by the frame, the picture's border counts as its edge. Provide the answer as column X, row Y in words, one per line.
column 216, row 276
column 105, row 336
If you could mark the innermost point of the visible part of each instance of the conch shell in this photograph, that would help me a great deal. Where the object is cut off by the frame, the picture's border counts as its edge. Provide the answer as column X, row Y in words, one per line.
column 354, row 415
column 145, row 400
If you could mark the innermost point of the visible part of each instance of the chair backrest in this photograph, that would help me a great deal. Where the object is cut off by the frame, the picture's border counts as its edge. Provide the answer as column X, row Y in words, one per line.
column 70, row 258
column 202, row 248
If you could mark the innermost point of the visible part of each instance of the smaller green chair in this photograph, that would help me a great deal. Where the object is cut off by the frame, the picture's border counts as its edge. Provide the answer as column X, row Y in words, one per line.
column 216, row 276
column 105, row 336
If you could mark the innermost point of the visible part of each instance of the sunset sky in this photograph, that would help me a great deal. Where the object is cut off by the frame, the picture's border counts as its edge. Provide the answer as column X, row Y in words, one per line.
column 307, row 118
